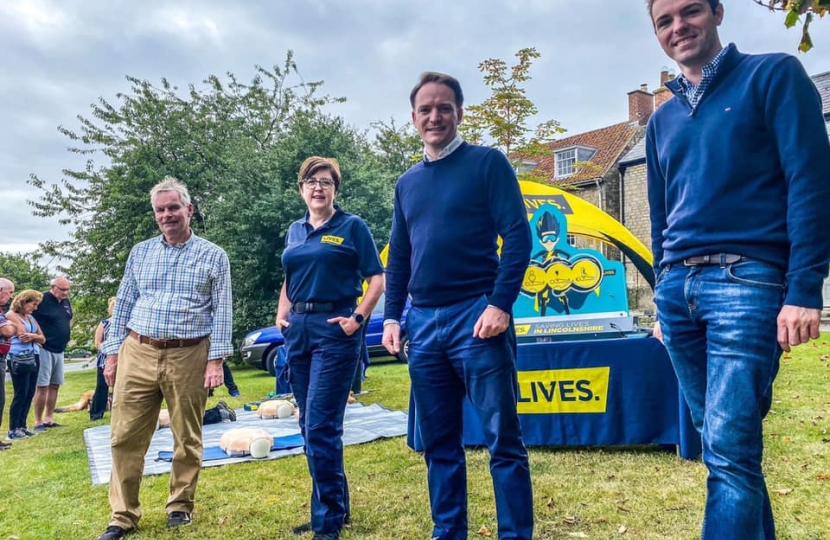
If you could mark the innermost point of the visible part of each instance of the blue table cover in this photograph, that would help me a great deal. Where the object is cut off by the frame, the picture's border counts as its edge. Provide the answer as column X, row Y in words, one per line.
column 604, row 392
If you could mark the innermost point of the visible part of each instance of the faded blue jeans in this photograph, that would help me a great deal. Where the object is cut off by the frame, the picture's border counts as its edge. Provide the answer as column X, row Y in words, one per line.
column 719, row 326
column 446, row 365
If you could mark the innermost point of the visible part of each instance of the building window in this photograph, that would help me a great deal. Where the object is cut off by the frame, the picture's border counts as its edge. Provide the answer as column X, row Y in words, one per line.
column 525, row 165
column 565, row 162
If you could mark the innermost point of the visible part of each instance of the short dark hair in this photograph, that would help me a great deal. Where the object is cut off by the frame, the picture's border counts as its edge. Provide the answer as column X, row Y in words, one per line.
column 316, row 163
column 712, row 4
column 438, row 78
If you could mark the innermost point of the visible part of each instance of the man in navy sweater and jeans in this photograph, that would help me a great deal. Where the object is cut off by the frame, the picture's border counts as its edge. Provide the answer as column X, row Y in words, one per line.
column 449, row 209
column 739, row 191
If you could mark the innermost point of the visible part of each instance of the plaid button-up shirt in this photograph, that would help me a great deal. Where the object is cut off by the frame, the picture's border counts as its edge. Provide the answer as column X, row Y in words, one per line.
column 175, row 292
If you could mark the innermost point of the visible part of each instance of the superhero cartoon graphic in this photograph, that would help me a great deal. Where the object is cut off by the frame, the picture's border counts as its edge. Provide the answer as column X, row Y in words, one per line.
column 564, row 280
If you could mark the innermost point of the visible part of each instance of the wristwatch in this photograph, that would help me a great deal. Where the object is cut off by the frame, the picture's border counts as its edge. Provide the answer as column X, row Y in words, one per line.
column 358, row 318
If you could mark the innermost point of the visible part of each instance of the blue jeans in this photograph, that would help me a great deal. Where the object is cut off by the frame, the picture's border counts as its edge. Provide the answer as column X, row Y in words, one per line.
column 322, row 361
column 719, row 326
column 447, row 365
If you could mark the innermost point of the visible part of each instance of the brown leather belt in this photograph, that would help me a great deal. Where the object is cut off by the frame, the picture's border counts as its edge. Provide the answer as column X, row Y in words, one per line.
column 166, row 343
column 713, row 258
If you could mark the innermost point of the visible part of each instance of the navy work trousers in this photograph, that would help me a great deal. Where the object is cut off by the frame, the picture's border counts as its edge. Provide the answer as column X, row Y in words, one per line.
column 322, row 361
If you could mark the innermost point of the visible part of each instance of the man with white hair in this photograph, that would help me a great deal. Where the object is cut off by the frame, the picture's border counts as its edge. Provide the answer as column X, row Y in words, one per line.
column 169, row 336
column 7, row 330
column 54, row 315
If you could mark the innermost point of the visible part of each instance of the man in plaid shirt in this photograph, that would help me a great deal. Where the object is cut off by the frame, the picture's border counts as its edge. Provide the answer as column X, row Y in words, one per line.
column 169, row 335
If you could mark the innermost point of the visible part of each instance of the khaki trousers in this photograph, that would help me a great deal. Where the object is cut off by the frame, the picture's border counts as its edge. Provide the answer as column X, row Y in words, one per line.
column 144, row 378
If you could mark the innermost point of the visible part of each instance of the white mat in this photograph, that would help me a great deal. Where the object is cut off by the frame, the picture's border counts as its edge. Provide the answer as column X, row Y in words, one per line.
column 361, row 424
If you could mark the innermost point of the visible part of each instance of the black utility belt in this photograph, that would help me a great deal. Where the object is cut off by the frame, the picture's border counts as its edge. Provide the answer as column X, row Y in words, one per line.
column 319, row 307
column 713, row 258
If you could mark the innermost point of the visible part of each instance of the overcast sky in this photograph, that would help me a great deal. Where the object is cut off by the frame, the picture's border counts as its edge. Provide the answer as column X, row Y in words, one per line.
column 59, row 56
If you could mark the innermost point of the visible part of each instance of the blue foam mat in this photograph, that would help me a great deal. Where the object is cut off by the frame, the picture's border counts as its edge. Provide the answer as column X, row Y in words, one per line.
column 361, row 424
column 215, row 452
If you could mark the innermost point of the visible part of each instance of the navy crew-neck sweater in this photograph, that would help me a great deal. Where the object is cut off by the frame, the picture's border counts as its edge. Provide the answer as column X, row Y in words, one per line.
column 747, row 172
column 447, row 216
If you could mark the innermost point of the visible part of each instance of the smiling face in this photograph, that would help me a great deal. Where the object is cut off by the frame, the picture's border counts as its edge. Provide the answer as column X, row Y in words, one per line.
column 172, row 217
column 318, row 190
column 436, row 116
column 688, row 32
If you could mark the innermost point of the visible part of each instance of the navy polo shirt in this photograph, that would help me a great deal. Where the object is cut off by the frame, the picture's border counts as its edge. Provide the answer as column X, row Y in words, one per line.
column 330, row 263
column 54, row 319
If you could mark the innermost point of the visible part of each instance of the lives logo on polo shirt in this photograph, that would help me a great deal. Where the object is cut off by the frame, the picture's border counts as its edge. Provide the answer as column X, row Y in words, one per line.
column 330, row 239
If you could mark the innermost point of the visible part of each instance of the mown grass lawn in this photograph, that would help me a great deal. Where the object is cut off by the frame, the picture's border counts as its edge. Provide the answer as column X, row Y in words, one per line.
column 594, row 493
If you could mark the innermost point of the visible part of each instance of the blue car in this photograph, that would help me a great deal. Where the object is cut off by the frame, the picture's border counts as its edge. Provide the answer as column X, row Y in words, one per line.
column 262, row 348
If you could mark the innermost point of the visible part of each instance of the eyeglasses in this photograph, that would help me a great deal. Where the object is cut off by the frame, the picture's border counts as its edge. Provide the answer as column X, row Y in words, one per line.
column 62, row 289
column 322, row 183
column 549, row 238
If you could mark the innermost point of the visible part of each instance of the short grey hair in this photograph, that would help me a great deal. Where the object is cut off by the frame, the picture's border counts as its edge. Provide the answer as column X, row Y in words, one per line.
column 6, row 284
column 171, row 184
column 54, row 282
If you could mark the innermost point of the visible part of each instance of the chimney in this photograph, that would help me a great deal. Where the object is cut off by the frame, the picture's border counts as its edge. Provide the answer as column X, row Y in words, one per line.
column 662, row 94
column 640, row 105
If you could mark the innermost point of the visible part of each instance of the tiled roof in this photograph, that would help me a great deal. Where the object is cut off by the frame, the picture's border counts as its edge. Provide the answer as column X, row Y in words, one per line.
column 822, row 81
column 610, row 143
column 637, row 153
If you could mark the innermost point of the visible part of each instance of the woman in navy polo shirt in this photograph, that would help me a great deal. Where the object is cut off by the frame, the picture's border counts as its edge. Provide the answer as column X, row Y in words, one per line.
column 328, row 254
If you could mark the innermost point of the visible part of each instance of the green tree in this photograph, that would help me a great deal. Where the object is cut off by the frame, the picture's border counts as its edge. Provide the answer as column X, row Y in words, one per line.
column 502, row 119
column 25, row 270
column 262, row 213
column 237, row 146
column 397, row 147
column 794, row 11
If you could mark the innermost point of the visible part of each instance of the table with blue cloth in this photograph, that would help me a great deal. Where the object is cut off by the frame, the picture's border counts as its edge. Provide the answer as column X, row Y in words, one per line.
column 603, row 392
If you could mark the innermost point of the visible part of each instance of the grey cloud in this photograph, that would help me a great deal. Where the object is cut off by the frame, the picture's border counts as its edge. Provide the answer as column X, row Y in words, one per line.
column 62, row 55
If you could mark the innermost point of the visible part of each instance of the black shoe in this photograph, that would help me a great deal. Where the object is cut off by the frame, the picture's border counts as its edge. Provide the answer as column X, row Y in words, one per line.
column 227, row 414
column 94, row 417
column 5, row 445
column 113, row 532
column 179, row 519
column 304, row 528
column 326, row 536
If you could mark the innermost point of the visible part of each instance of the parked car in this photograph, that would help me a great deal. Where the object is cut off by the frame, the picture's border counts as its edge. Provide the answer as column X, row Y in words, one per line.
column 374, row 333
column 262, row 347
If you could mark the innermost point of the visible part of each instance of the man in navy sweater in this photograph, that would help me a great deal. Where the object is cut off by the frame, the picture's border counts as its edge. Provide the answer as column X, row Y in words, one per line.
column 739, row 191
column 449, row 210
